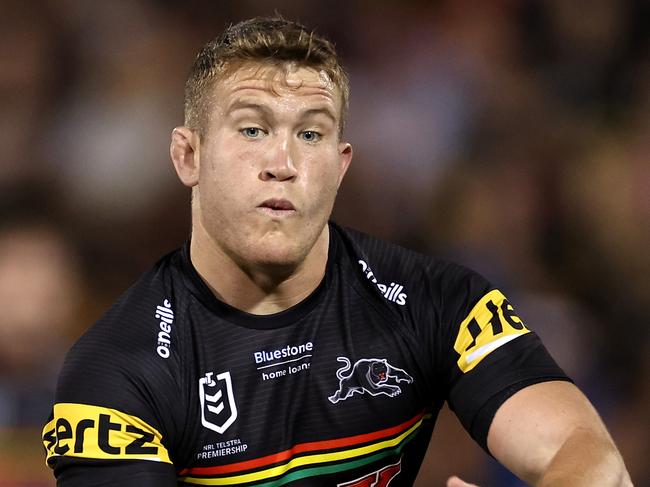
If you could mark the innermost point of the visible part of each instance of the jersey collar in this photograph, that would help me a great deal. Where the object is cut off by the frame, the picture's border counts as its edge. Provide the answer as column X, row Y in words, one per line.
column 202, row 292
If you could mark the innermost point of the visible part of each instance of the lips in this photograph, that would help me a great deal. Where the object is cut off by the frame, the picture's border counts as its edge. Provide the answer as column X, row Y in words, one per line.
column 278, row 204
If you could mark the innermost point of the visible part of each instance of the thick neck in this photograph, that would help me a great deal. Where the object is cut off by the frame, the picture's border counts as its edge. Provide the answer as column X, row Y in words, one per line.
column 260, row 290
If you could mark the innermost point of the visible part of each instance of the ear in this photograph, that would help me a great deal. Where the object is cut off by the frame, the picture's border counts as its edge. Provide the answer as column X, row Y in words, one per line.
column 184, row 151
column 345, row 158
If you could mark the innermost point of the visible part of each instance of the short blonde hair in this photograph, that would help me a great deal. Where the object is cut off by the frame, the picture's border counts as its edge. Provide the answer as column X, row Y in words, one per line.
column 272, row 40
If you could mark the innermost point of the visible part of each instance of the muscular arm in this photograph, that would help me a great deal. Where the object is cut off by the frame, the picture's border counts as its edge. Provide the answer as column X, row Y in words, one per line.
column 549, row 435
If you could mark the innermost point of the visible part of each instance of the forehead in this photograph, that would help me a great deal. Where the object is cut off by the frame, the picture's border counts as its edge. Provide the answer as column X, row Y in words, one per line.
column 284, row 81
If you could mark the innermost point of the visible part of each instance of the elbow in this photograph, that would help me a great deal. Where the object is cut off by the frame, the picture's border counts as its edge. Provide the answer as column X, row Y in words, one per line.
column 612, row 468
column 621, row 477
column 586, row 458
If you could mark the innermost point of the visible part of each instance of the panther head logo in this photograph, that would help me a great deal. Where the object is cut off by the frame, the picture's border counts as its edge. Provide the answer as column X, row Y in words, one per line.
column 373, row 376
column 379, row 371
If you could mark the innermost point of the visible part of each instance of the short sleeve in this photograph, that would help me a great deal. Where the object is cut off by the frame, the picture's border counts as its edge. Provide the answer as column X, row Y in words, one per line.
column 488, row 352
column 115, row 411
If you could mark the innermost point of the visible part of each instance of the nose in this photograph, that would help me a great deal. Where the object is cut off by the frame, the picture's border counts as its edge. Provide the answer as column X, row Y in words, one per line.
column 279, row 161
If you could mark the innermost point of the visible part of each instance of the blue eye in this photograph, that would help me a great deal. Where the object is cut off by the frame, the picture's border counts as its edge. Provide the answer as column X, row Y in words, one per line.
column 252, row 132
column 310, row 136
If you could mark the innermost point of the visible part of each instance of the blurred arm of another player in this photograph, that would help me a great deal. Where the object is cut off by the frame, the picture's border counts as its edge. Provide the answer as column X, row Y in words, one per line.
column 549, row 435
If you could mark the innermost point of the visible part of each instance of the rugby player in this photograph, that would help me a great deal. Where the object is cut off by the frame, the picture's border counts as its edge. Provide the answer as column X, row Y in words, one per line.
column 277, row 348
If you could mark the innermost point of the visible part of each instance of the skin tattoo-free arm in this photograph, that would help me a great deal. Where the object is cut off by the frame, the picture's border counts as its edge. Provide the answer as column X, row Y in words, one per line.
column 550, row 435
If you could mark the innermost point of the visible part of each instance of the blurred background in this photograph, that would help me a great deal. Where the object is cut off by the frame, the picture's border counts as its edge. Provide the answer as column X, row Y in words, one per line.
column 512, row 136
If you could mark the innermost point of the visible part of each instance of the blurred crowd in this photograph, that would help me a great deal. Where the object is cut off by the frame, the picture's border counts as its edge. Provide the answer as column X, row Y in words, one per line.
column 512, row 136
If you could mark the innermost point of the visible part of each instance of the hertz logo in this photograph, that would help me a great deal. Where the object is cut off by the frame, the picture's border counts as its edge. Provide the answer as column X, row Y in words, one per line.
column 491, row 324
column 84, row 431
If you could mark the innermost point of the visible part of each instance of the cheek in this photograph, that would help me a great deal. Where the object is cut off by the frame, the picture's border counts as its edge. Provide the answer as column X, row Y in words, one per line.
column 219, row 190
column 230, row 172
column 226, row 156
column 323, row 174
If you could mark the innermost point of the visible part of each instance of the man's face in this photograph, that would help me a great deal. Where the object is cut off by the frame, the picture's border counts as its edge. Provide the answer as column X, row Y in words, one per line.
column 270, row 163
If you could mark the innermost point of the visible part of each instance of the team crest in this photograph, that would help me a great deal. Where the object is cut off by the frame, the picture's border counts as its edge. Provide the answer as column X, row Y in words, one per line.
column 218, row 408
column 368, row 375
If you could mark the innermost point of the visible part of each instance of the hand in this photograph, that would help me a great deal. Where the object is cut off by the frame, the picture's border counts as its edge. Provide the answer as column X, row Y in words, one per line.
column 456, row 482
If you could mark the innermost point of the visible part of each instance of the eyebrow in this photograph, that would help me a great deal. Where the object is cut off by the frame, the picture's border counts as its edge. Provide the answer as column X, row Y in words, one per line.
column 244, row 105
column 249, row 105
column 315, row 111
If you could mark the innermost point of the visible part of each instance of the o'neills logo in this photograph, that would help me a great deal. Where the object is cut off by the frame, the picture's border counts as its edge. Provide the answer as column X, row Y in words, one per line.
column 392, row 292
column 165, row 314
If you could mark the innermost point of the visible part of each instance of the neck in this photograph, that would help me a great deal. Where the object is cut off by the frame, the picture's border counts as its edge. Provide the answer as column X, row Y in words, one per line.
column 260, row 289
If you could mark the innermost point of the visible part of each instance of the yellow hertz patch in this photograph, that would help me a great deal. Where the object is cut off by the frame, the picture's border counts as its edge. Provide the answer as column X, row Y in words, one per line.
column 489, row 325
column 80, row 430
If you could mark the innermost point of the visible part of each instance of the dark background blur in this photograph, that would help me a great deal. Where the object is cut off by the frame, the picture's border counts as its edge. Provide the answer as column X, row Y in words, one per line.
column 511, row 136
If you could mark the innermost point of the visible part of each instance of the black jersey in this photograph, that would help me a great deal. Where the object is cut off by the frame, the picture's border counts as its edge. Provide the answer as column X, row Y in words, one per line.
column 172, row 386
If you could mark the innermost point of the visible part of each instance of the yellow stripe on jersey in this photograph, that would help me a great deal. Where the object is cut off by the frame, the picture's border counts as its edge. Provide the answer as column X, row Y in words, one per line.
column 491, row 324
column 307, row 460
column 84, row 431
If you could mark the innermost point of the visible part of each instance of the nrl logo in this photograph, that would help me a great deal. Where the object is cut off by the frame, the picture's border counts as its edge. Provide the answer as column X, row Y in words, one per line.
column 218, row 408
column 372, row 375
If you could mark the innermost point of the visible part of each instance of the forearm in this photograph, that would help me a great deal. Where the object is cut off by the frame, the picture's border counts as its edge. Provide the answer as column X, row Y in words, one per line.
column 550, row 435
column 586, row 458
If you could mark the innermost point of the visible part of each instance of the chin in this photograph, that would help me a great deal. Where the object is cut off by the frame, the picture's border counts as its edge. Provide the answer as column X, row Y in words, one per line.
column 278, row 249
column 277, row 254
